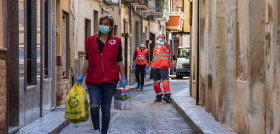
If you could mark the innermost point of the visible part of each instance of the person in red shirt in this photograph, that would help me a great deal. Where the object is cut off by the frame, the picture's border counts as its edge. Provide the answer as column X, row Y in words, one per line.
column 141, row 59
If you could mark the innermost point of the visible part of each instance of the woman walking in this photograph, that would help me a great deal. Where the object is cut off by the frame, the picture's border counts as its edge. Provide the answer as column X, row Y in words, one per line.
column 102, row 65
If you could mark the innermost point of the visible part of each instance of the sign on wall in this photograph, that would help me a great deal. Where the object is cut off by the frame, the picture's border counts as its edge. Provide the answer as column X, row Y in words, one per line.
column 186, row 40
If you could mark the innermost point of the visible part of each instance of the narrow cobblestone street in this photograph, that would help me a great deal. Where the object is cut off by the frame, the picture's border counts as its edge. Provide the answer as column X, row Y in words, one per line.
column 145, row 117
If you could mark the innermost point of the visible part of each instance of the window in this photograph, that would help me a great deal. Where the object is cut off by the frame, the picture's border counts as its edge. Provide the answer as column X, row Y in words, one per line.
column 30, row 44
column 46, row 45
column 38, row 43
column 87, row 28
column 95, row 19
column 116, row 30
column 65, row 46
column 21, row 38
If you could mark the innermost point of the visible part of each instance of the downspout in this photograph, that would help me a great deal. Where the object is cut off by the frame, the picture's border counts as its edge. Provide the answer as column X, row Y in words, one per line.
column 42, row 54
column 141, row 26
column 191, row 47
column 197, row 59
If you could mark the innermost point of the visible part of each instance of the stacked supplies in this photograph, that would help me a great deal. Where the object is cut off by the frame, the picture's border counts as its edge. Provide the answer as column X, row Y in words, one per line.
column 148, row 70
column 122, row 99
column 132, row 69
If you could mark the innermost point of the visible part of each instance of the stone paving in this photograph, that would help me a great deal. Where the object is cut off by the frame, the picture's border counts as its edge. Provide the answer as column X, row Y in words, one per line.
column 145, row 117
column 201, row 121
column 51, row 123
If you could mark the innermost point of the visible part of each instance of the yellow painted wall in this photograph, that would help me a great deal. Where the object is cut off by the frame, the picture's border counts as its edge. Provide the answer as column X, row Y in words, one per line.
column 62, row 5
column 186, row 26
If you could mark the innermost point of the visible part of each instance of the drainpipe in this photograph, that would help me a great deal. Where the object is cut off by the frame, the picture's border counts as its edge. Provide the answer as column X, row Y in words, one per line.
column 197, row 72
column 173, row 69
column 141, row 26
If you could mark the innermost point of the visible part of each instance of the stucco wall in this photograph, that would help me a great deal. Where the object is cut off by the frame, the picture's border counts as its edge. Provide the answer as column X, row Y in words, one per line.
column 194, row 48
column 239, row 61
column 186, row 26
column 3, row 84
column 115, row 12
column 3, row 91
column 85, row 10
column 155, row 27
column 272, row 73
column 1, row 26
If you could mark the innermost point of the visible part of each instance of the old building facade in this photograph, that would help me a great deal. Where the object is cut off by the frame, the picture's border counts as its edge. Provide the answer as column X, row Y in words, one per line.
column 235, row 62
column 28, row 36
column 3, row 73
column 42, row 50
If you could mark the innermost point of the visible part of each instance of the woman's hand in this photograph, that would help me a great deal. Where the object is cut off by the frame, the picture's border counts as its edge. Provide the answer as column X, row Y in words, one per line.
column 123, row 82
column 80, row 79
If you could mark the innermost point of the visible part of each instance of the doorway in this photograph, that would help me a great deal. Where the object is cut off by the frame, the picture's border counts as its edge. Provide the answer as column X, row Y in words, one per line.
column 65, row 46
column 125, row 34
column 95, row 22
column 87, row 28
column 153, row 39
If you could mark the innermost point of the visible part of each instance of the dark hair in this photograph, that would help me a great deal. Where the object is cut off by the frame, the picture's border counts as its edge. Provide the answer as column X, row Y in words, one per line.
column 111, row 20
column 163, row 35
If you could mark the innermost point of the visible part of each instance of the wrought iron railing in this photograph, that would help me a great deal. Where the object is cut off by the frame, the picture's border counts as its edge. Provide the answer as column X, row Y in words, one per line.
column 111, row 2
column 159, row 6
column 142, row 2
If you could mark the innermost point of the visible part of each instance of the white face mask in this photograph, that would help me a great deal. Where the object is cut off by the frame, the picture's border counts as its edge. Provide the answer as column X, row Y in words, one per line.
column 160, row 41
column 142, row 45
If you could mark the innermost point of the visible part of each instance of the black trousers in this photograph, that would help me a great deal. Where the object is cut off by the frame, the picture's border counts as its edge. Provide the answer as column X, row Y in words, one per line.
column 140, row 69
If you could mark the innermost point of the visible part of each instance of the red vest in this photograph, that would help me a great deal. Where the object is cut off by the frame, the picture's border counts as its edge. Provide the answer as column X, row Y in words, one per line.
column 102, row 67
column 141, row 58
column 161, row 60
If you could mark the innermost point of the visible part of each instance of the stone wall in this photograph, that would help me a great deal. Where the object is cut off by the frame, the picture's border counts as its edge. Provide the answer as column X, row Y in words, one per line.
column 63, row 86
column 238, row 63
column 3, row 91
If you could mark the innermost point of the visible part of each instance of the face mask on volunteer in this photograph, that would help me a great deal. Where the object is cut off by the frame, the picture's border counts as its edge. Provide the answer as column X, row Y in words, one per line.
column 160, row 41
column 104, row 29
column 142, row 45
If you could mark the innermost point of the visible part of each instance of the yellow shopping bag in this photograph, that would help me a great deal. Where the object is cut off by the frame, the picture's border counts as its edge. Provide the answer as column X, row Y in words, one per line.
column 76, row 105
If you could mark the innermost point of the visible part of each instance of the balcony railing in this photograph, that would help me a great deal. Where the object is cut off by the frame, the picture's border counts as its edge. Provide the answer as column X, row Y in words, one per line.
column 142, row 4
column 111, row 2
column 175, row 22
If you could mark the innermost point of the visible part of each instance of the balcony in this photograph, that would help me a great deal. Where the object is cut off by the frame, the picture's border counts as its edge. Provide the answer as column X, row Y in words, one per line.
column 111, row 2
column 160, row 7
column 151, row 13
column 128, row 1
column 175, row 22
column 141, row 4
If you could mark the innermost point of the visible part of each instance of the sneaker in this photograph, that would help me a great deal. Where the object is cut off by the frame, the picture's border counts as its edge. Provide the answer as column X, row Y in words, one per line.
column 138, row 86
column 96, row 132
column 141, row 88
